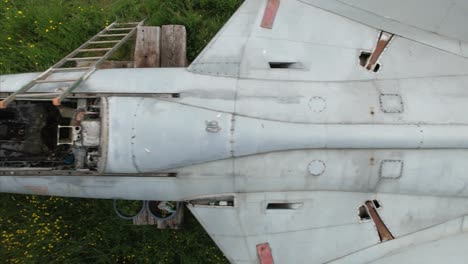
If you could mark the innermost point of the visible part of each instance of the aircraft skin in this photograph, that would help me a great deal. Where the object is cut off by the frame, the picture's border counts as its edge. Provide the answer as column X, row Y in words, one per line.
column 323, row 159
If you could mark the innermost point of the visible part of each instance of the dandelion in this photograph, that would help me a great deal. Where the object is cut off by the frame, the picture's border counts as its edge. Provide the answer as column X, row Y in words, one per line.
column 51, row 21
column 47, row 30
column 20, row 12
column 9, row 38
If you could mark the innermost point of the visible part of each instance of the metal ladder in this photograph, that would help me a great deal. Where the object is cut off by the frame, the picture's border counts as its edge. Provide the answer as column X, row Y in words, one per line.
column 114, row 30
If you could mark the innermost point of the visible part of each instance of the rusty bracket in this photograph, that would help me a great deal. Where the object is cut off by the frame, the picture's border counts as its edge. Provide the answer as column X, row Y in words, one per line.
column 382, row 43
column 384, row 233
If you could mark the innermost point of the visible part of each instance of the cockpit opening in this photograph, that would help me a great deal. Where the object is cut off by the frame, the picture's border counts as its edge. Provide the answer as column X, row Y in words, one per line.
column 38, row 136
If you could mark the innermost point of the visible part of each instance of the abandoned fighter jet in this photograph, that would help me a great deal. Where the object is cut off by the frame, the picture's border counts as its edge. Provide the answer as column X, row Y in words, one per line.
column 307, row 131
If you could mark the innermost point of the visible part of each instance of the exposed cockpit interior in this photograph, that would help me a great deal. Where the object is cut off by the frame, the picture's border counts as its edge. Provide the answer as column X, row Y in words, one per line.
column 37, row 136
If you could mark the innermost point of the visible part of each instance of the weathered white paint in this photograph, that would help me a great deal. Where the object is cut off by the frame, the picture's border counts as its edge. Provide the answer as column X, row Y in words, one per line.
column 240, row 127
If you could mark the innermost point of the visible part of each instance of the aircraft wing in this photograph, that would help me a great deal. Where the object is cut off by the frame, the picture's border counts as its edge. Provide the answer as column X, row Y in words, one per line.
column 438, row 23
column 331, row 227
column 323, row 40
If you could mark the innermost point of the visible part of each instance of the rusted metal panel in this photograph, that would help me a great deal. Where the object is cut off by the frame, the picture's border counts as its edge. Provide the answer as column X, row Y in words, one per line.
column 269, row 15
column 147, row 48
column 264, row 253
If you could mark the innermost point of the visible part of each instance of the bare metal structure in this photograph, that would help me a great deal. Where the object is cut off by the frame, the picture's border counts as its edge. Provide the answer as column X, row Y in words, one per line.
column 307, row 131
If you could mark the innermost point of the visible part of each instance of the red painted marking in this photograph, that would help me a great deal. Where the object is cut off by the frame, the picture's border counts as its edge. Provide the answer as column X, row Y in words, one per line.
column 270, row 13
column 264, row 253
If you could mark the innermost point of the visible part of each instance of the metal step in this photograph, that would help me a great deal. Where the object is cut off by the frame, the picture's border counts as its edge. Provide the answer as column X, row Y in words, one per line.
column 104, row 41
column 96, row 49
column 119, row 29
column 83, row 58
column 56, row 81
column 40, row 95
column 127, row 23
column 113, row 35
column 72, row 69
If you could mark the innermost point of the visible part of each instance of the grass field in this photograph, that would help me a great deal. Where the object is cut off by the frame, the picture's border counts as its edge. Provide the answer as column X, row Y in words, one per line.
column 34, row 35
column 37, row 33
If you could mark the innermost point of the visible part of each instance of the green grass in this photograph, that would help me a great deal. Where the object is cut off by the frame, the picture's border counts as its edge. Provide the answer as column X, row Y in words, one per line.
column 34, row 35
column 37, row 33
column 37, row 229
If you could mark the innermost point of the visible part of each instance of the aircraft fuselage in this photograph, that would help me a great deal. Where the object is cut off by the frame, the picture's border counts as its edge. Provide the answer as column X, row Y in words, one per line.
column 169, row 134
